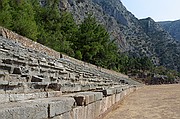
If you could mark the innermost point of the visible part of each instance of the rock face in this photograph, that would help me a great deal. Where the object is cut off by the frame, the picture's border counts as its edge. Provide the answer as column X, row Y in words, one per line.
column 134, row 36
column 173, row 27
column 164, row 45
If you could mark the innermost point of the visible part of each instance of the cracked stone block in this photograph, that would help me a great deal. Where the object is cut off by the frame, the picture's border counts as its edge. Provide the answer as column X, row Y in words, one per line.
column 60, row 106
column 84, row 98
column 24, row 111
column 4, row 98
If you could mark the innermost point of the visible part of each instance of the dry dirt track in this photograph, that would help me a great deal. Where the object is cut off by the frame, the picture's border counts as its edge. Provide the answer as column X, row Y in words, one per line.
column 150, row 102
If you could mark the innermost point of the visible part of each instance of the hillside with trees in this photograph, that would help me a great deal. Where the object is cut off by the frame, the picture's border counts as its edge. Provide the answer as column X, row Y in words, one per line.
column 88, row 41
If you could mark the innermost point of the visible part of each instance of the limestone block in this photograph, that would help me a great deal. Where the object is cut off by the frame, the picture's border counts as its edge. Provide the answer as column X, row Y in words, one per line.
column 85, row 87
column 67, row 115
column 109, row 92
column 79, row 112
column 98, row 96
column 97, row 110
column 103, row 105
column 89, row 110
column 84, row 98
column 13, row 83
column 33, row 62
column 113, row 99
column 1, row 74
column 54, row 94
column 4, row 98
column 60, row 106
column 118, row 97
column 24, row 111
column 51, row 63
column 16, row 97
column 4, row 82
column 63, row 72
column 109, row 101
column 71, row 87
column 59, row 65
column 118, row 90
column 36, row 95
column 43, row 64
column 93, row 86
column 72, row 76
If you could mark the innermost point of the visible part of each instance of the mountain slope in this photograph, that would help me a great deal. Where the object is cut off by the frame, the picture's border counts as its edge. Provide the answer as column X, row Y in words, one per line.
column 137, row 37
column 165, row 47
column 173, row 27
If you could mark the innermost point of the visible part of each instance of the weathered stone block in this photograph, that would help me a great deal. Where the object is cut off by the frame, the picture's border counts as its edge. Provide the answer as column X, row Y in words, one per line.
column 109, row 92
column 70, row 87
column 85, row 98
column 60, row 106
column 113, row 99
column 85, row 87
column 24, row 111
column 103, row 105
column 67, row 115
column 118, row 90
column 13, row 83
column 59, row 65
column 98, row 96
column 35, row 95
column 90, row 114
column 4, row 82
column 97, row 110
column 54, row 94
column 79, row 112
column 4, row 98
column 118, row 97
column 16, row 97
column 72, row 76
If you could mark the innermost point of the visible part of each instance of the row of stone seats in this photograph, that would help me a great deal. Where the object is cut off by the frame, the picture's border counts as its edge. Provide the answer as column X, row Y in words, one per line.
column 22, row 67
column 82, row 105
column 39, row 83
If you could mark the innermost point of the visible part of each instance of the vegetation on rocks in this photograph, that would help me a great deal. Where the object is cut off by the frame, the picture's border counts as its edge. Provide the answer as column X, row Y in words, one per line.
column 88, row 41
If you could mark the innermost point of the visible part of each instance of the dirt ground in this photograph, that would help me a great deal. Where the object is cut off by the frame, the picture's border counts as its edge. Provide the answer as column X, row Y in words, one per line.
column 150, row 102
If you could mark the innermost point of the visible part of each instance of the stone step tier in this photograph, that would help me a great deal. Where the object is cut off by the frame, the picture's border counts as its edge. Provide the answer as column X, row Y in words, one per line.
column 37, row 82
column 24, row 70
column 81, row 105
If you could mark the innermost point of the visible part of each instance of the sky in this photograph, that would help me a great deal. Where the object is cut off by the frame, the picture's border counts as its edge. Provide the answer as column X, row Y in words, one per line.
column 159, row 10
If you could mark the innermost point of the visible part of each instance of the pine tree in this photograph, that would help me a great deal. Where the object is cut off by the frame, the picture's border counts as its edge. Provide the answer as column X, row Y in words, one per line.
column 23, row 19
column 5, row 14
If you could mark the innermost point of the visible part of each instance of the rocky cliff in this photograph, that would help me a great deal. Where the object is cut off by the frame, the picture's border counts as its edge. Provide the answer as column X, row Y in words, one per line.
column 136, row 37
column 173, row 27
column 166, row 48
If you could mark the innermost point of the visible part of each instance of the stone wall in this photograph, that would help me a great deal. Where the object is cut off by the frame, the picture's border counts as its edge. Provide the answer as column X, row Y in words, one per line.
column 38, row 82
